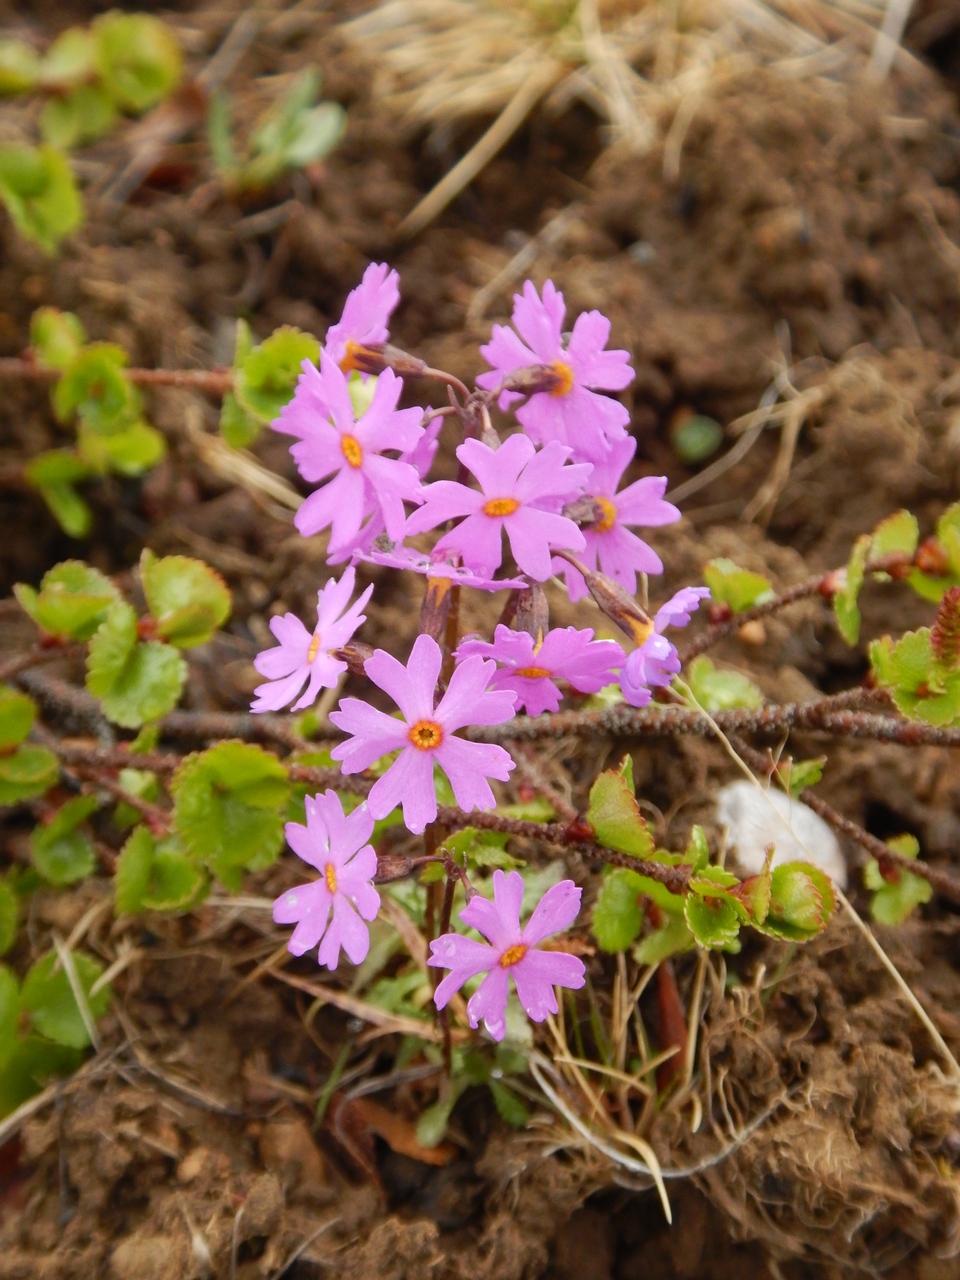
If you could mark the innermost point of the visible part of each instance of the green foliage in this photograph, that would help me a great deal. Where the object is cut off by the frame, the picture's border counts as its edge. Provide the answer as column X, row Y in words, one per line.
column 80, row 115
column 19, row 67
column 717, row 690
column 38, row 190
column 921, row 685
column 797, row 775
column 265, row 378
column 896, row 893
column 938, row 560
column 615, row 817
column 135, row 680
column 802, row 901
column 72, row 602
column 29, row 1065
column 229, row 808
column 27, row 772
column 59, row 850
column 17, row 714
column 128, row 452
column 95, row 387
column 696, row 438
column 155, row 875
column 54, row 474
column 187, row 599
column 671, row 938
column 48, row 999
column 138, row 60
column 898, row 533
column 845, row 608
column 295, row 133
column 713, row 921
column 9, row 914
column 736, row 587
column 619, row 911
column 56, row 337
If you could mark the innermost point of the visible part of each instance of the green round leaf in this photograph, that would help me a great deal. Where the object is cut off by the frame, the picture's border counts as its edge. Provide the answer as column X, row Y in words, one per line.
column 238, row 427
column 31, row 1064
column 48, row 998
column 40, row 194
column 736, row 587
column 615, row 817
column 138, row 59
column 717, row 690
column 152, row 877
column 60, row 852
column 135, row 680
column 56, row 337
column 714, row 922
column 9, row 914
column 19, row 67
column 28, row 772
column 17, row 714
column 696, row 438
column 187, row 598
column 95, row 387
column 617, row 915
column 85, row 113
column 72, row 601
column 129, row 452
column 69, row 61
column 267, row 377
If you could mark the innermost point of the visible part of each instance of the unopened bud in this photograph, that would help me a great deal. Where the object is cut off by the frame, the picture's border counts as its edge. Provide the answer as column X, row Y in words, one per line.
column 584, row 512
column 945, row 635
column 537, row 377
column 393, row 866
column 931, row 558
column 354, row 655
column 620, row 607
column 533, row 612
column 435, row 607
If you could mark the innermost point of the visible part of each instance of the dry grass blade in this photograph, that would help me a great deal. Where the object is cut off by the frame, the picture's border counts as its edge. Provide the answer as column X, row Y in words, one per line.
column 65, row 956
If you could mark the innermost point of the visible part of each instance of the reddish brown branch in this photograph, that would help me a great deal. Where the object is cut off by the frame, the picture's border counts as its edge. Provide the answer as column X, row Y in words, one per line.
column 37, row 656
column 215, row 382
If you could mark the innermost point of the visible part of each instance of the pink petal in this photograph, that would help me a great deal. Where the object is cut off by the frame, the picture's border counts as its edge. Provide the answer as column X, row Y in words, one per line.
column 533, row 533
column 593, row 366
column 304, row 900
column 443, row 500
column 412, row 686
column 374, row 734
column 505, row 352
column 464, row 957
column 467, row 700
column 276, row 694
column 535, row 694
column 540, row 322
column 346, row 832
column 538, row 973
column 308, row 933
column 489, row 1002
column 556, row 911
column 481, row 914
column 308, row 842
column 354, row 934
column 469, row 764
column 497, row 469
column 478, row 540
column 408, row 781
column 508, row 897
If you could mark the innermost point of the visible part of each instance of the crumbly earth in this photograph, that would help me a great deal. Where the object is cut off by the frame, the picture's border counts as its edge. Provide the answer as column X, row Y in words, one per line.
column 811, row 224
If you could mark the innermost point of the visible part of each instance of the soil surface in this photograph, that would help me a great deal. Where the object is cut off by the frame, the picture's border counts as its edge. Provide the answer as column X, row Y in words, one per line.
column 813, row 228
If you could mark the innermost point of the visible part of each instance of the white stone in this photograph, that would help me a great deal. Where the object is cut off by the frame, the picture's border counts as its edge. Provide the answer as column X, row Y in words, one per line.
column 755, row 817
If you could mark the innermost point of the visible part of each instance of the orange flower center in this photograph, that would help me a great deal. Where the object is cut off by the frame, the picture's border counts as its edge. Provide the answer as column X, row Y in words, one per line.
column 609, row 517
column 351, row 450
column 513, row 955
column 349, row 361
column 532, row 673
column 314, row 647
column 426, row 735
column 564, row 378
column 500, row 507
column 330, row 875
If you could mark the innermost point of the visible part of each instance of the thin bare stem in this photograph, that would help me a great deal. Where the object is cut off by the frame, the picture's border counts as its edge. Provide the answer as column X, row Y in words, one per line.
column 215, row 382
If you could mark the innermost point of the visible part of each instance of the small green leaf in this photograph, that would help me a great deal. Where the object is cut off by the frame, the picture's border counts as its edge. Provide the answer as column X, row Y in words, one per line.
column 31, row 1063
column 56, row 337
column 432, row 1125
column 714, row 922
column 229, row 804
column 802, row 901
column 238, row 427
column 671, row 939
column 898, row 533
column 69, row 61
column 845, row 608
column 9, row 915
column 96, row 388
column 19, row 67
column 267, row 377
column 717, row 690
column 9, row 1011
column 39, row 192
column 736, row 587
column 697, row 852
column 618, row 915
column 187, row 598
column 294, row 133
column 696, row 438
column 797, row 775
column 615, row 818
column 72, row 601
column 155, row 877
column 129, row 452
column 135, row 782
column 47, row 997
column 61, row 853
column 70, row 511
column 28, row 772
column 137, row 57
column 81, row 115
column 17, row 714
column 921, row 688
column 135, row 680
column 894, row 899
column 509, row 1107
column 54, row 473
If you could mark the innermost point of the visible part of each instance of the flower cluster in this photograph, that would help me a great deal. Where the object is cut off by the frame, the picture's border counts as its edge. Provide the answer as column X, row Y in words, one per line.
column 546, row 499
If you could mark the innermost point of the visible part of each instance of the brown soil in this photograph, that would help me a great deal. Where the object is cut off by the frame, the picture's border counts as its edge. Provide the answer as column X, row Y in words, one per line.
column 831, row 214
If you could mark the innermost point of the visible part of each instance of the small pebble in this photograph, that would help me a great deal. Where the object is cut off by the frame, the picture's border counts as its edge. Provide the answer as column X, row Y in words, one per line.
column 755, row 818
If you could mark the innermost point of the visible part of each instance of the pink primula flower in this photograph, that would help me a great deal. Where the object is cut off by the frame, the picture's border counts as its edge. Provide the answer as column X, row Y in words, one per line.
column 433, row 566
column 305, row 658
column 332, row 910
column 656, row 662
column 348, row 454
column 426, row 734
column 365, row 314
column 621, row 554
column 529, row 669
column 512, row 952
column 571, row 412
column 521, row 490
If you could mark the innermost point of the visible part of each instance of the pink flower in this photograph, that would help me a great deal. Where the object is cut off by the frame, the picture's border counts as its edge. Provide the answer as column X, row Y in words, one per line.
column 656, row 661
column 570, row 412
column 432, row 566
column 512, row 951
column 529, row 669
column 336, row 844
column 365, row 314
column 333, row 445
column 425, row 735
column 622, row 555
column 304, row 657
column 520, row 492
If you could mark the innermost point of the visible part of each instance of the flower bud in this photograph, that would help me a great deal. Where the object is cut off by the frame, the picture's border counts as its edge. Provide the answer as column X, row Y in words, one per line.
column 533, row 612
column 620, row 607
column 435, row 607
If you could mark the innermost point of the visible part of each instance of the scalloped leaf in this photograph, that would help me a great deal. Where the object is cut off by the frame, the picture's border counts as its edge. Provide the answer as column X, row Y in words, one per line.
column 72, row 602
column 671, row 939
column 714, row 921
column 618, row 913
column 59, row 851
column 56, row 337
column 920, row 687
column 46, row 995
column 229, row 807
column 845, row 608
column 802, row 900
column 37, row 188
column 897, row 533
column 187, row 599
column 717, row 690
column 17, row 714
column 155, row 876
column 615, row 817
column 739, row 588
column 135, row 680
column 266, row 377
column 28, row 772
column 137, row 57
column 95, row 387
column 129, row 452
column 893, row 900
